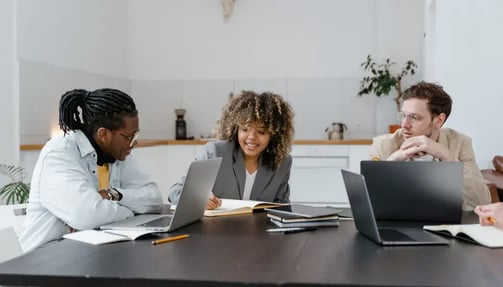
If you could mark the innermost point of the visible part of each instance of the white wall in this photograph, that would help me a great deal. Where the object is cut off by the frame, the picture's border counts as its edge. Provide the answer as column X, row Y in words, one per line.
column 64, row 45
column 180, row 53
column 9, row 108
column 469, row 57
column 263, row 38
column 85, row 35
column 41, row 87
column 269, row 38
column 183, row 55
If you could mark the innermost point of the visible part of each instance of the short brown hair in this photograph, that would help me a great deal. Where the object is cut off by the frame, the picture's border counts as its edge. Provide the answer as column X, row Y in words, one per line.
column 267, row 108
column 438, row 100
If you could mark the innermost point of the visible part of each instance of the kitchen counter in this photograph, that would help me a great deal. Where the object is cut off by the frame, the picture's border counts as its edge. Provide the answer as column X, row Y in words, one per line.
column 157, row 142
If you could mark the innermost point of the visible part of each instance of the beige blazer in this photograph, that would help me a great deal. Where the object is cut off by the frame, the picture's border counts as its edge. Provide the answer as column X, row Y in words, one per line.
column 475, row 191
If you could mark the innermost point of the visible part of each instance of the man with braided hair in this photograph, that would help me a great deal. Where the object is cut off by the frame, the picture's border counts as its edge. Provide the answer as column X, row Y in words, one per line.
column 256, row 133
column 87, row 177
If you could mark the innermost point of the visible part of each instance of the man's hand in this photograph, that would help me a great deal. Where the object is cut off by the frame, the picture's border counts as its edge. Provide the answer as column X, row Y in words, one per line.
column 104, row 193
column 418, row 146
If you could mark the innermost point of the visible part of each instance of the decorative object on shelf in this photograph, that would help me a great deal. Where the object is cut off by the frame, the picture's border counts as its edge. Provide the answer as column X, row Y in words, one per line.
column 337, row 131
column 382, row 80
column 16, row 191
column 227, row 8
column 180, row 125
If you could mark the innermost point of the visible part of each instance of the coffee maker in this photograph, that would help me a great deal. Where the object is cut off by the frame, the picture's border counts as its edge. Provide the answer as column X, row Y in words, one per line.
column 180, row 125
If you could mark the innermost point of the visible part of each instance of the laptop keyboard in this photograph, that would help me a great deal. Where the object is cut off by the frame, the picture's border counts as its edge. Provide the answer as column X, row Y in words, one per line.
column 163, row 221
column 388, row 234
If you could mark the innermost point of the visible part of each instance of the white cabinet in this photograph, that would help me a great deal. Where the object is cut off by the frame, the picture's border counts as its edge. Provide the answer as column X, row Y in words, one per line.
column 165, row 163
column 316, row 172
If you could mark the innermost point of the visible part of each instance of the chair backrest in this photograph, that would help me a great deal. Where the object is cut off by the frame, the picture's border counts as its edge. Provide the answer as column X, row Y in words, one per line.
column 498, row 163
column 13, row 215
column 9, row 245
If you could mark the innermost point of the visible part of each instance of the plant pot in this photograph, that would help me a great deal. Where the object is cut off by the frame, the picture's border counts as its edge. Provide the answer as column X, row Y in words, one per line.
column 393, row 128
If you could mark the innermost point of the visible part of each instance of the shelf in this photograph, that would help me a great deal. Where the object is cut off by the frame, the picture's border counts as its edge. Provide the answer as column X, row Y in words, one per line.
column 157, row 142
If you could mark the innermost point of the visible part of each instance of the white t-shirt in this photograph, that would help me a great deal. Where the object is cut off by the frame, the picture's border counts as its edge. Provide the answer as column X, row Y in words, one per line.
column 425, row 157
column 250, row 179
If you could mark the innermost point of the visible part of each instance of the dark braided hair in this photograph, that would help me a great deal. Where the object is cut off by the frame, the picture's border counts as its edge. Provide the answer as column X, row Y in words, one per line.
column 87, row 111
column 267, row 108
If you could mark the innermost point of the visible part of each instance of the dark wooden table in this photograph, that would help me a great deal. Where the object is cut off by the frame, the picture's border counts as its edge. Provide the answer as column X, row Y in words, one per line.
column 236, row 251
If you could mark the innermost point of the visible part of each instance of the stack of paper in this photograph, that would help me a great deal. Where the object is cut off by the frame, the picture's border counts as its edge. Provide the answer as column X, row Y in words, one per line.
column 299, row 215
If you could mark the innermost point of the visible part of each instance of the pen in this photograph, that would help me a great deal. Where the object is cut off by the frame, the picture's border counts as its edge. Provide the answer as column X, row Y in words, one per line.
column 169, row 239
column 288, row 230
column 299, row 230
column 271, row 230
column 491, row 219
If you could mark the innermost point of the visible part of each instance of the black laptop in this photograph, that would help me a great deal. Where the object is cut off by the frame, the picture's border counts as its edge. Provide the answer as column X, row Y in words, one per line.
column 425, row 191
column 366, row 224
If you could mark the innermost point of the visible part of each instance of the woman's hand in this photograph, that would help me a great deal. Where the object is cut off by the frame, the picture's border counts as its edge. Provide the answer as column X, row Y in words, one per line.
column 490, row 214
column 213, row 202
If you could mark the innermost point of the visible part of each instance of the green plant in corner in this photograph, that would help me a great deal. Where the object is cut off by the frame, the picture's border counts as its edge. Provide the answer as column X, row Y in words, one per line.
column 16, row 191
column 382, row 80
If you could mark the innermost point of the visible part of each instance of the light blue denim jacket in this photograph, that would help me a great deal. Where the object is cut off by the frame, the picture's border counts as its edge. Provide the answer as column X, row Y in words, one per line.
column 64, row 191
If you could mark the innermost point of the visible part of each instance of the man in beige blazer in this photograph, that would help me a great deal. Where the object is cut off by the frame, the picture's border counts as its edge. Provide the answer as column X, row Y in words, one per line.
column 424, row 110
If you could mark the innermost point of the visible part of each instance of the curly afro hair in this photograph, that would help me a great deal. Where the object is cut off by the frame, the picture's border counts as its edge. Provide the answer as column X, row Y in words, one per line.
column 266, row 108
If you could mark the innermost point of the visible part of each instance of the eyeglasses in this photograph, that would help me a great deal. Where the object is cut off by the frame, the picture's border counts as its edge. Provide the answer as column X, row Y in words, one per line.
column 132, row 138
column 411, row 118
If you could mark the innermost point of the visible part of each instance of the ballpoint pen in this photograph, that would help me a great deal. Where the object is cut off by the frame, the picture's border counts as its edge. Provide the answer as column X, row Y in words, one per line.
column 169, row 239
column 299, row 230
column 288, row 230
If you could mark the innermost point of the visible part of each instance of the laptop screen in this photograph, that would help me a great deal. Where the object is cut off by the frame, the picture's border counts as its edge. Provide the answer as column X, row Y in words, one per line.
column 426, row 191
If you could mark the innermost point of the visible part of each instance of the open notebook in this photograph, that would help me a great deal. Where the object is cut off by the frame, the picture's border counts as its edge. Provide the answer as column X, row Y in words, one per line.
column 237, row 206
column 488, row 236
column 98, row 237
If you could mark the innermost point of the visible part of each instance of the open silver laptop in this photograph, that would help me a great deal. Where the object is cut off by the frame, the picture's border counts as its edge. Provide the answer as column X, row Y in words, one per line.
column 366, row 224
column 425, row 191
column 190, row 208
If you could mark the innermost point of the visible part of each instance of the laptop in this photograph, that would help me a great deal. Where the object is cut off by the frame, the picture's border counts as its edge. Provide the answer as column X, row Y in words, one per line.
column 366, row 224
column 191, row 204
column 426, row 191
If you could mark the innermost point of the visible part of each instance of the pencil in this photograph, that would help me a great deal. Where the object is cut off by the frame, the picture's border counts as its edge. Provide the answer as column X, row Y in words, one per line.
column 491, row 219
column 169, row 239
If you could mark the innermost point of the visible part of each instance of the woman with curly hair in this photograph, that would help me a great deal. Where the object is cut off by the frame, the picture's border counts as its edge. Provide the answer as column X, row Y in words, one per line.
column 256, row 133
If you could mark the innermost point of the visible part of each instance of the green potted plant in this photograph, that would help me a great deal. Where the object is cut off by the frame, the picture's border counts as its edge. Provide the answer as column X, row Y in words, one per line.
column 16, row 191
column 381, row 80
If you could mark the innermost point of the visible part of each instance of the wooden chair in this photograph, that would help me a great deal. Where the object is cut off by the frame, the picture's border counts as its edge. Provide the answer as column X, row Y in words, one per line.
column 494, row 179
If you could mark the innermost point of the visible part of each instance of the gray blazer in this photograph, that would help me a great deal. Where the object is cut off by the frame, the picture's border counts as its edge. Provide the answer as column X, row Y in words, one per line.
column 270, row 185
